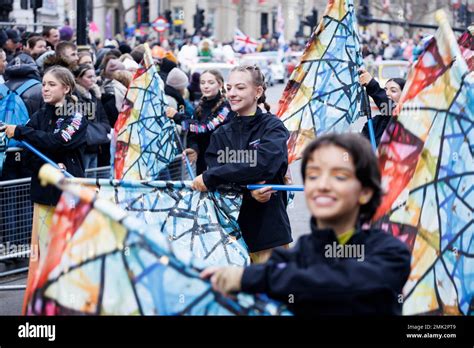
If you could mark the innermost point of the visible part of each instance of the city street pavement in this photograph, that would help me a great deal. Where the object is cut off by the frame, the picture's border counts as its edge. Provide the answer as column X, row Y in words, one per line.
column 11, row 301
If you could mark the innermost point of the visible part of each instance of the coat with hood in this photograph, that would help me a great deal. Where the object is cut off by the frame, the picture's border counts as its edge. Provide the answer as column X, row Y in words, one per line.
column 262, row 139
column 98, row 127
column 368, row 282
column 59, row 136
column 21, row 70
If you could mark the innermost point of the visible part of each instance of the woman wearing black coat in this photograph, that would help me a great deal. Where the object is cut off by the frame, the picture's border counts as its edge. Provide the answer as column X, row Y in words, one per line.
column 342, row 267
column 98, row 129
column 250, row 149
column 386, row 100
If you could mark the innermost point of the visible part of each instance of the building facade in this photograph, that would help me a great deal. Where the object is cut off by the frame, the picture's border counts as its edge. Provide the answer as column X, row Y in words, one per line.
column 256, row 18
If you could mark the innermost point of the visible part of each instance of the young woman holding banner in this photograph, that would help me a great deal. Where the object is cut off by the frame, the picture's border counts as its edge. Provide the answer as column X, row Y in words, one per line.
column 259, row 139
column 340, row 268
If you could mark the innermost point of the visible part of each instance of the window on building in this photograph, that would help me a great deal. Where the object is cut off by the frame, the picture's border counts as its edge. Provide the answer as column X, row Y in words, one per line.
column 263, row 24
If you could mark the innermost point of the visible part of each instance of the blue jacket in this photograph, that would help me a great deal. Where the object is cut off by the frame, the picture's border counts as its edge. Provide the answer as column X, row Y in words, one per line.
column 264, row 137
column 314, row 282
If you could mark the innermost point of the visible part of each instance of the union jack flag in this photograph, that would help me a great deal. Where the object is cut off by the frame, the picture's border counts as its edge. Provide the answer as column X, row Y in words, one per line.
column 244, row 43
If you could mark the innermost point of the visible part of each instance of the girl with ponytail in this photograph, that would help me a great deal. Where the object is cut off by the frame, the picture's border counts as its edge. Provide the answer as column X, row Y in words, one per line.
column 211, row 112
column 249, row 149
column 58, row 130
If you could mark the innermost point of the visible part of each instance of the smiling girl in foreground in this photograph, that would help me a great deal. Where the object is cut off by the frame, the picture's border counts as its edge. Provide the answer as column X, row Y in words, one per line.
column 251, row 148
column 325, row 273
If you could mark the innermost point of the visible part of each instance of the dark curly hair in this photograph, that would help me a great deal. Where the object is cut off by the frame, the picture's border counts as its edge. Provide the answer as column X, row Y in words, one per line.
column 365, row 162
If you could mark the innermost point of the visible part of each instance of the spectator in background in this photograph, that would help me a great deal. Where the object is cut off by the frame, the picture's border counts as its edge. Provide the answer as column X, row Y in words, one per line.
column 195, row 88
column 98, row 128
column 10, row 43
column 3, row 65
column 113, row 92
column 51, row 35
column 85, row 57
column 67, row 51
column 20, row 71
column 36, row 46
column 138, row 53
column 176, row 83
column 66, row 33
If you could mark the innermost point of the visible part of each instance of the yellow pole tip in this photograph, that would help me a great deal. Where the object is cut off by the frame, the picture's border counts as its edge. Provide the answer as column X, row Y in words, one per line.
column 440, row 16
column 50, row 175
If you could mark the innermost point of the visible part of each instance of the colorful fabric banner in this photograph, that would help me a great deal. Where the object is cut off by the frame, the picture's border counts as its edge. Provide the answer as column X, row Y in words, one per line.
column 144, row 138
column 426, row 158
column 101, row 261
column 323, row 93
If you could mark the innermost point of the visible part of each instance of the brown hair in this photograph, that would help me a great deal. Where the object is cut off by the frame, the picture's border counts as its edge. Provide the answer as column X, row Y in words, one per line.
column 258, row 79
column 221, row 101
column 84, row 54
column 47, row 31
column 123, row 76
column 365, row 162
column 65, row 77
column 81, row 69
column 61, row 47
column 32, row 41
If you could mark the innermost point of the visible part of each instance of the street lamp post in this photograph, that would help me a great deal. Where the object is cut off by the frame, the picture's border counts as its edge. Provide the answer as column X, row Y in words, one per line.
column 81, row 30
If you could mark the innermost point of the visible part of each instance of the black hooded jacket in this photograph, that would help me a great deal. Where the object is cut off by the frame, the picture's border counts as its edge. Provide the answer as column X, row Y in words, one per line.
column 61, row 138
column 322, row 283
column 17, row 74
column 385, row 105
column 263, row 138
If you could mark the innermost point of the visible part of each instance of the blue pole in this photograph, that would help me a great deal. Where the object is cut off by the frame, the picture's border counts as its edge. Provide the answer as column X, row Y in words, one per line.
column 372, row 133
column 370, row 124
column 278, row 187
column 46, row 159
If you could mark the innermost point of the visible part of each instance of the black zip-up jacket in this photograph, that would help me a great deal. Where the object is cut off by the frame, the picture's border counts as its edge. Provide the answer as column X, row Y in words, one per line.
column 385, row 105
column 60, row 138
column 263, row 225
column 314, row 282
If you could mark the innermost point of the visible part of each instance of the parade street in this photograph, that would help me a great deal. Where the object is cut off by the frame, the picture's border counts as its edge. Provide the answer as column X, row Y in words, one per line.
column 299, row 216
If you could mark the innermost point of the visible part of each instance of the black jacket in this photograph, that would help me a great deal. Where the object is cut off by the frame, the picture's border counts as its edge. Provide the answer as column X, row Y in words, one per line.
column 199, row 142
column 322, row 284
column 60, row 138
column 16, row 75
column 263, row 225
column 385, row 105
column 98, row 126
